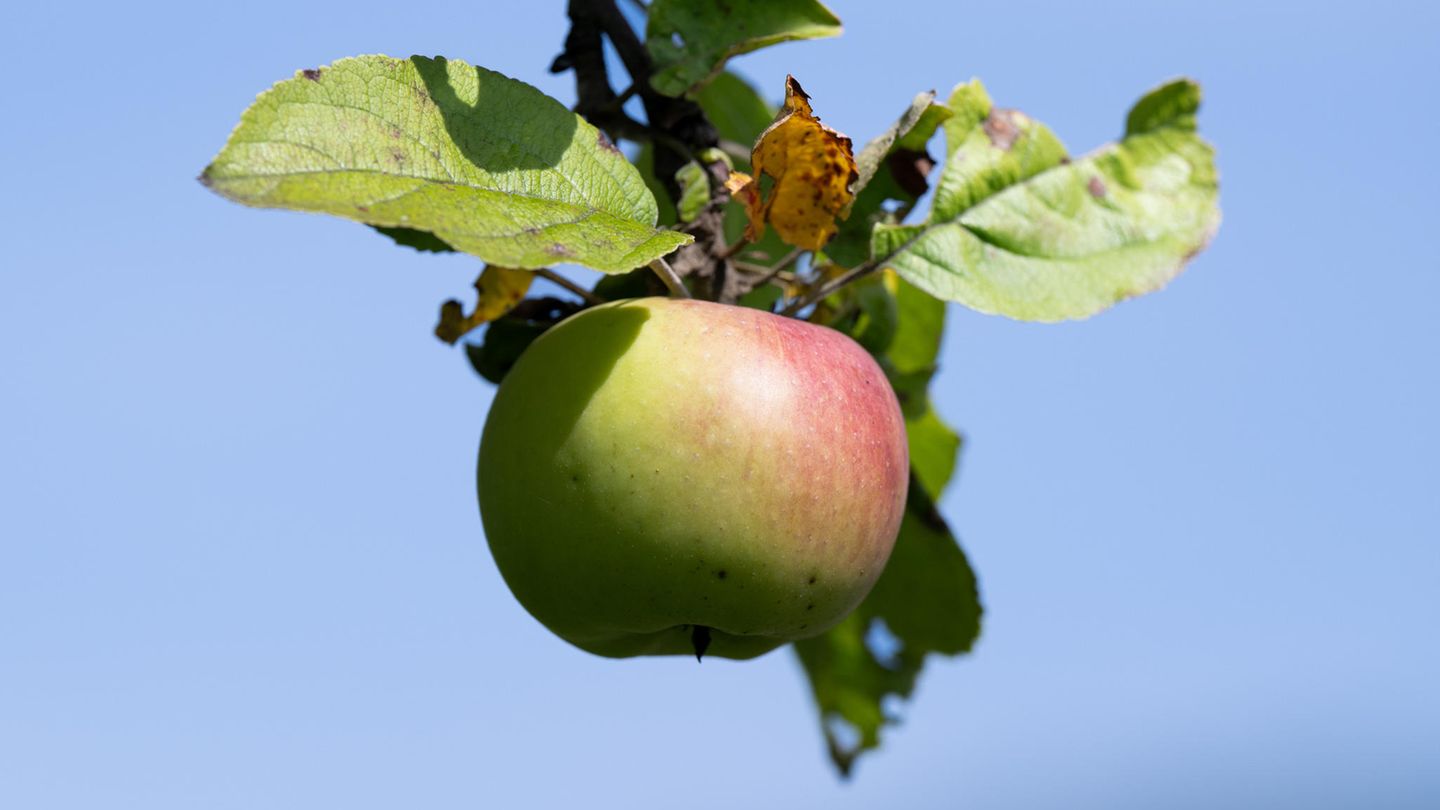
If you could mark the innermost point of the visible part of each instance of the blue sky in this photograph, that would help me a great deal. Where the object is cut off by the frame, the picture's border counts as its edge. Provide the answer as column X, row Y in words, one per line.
column 240, row 560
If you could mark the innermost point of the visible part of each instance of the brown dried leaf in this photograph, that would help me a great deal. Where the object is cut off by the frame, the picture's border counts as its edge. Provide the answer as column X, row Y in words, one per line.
column 814, row 171
column 500, row 289
column 742, row 187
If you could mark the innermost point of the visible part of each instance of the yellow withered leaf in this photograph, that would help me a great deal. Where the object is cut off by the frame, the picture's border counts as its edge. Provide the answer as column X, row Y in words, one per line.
column 814, row 171
column 500, row 289
column 743, row 187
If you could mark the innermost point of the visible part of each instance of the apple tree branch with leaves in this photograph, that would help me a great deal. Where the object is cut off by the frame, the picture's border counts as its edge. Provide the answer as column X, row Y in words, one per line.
column 796, row 379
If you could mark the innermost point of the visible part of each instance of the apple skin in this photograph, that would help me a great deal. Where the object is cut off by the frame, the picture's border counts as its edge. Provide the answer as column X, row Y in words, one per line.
column 653, row 465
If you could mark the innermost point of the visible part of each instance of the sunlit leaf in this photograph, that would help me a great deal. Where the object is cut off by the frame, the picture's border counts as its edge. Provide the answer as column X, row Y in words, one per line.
column 1017, row 231
column 814, row 172
column 488, row 165
column 690, row 40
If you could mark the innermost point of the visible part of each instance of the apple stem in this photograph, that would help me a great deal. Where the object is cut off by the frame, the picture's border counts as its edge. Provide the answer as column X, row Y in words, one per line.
column 700, row 639
column 667, row 274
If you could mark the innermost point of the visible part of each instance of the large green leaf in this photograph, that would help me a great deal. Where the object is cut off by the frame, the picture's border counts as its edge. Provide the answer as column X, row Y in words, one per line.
column 488, row 165
column 892, row 167
column 1017, row 231
column 690, row 40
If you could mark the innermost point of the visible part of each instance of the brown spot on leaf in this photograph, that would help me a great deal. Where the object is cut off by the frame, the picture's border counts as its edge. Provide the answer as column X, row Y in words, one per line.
column 911, row 170
column 313, row 74
column 557, row 249
column 605, row 143
column 1096, row 187
column 1001, row 128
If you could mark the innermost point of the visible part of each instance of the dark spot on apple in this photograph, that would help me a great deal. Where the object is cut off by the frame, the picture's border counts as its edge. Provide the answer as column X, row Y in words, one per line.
column 810, row 606
column 803, row 626
column 313, row 74
column 812, row 579
column 721, row 573
column 575, row 479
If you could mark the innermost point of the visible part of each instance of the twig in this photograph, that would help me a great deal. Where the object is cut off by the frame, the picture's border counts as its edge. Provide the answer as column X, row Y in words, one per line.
column 738, row 151
column 767, row 274
column 666, row 273
column 735, row 248
column 559, row 280
column 790, row 258
column 829, row 287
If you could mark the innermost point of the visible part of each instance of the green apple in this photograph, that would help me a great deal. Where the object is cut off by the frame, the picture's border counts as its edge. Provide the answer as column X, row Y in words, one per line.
column 660, row 476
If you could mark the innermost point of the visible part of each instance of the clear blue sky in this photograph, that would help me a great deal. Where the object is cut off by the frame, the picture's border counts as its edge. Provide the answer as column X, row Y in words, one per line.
column 240, row 560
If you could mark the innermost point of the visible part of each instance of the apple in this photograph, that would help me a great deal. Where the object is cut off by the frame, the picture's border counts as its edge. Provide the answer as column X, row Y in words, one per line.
column 662, row 476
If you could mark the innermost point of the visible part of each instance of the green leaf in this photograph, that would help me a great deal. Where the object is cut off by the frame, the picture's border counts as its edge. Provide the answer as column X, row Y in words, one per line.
column 865, row 310
column 921, row 326
column 1016, row 231
column 690, row 40
column 488, row 165
column 934, row 448
column 893, row 166
column 694, row 190
column 1170, row 105
column 925, row 602
column 988, row 150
